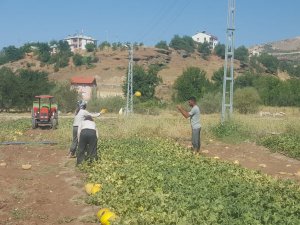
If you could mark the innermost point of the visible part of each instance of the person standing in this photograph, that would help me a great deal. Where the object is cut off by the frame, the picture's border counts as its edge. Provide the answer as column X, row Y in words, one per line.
column 87, row 140
column 80, row 113
column 194, row 116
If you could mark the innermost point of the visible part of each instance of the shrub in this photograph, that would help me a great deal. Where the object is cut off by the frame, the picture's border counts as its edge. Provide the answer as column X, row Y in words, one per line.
column 77, row 59
column 204, row 49
column 112, row 104
column 90, row 47
column 104, row 44
column 183, row 43
column 220, row 50
column 162, row 45
column 211, row 103
column 246, row 100
column 242, row 54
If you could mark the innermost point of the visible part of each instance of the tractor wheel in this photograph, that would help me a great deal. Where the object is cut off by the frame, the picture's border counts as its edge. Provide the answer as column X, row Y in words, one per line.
column 34, row 124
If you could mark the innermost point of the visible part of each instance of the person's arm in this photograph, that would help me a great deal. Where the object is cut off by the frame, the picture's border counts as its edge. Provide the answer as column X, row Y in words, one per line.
column 183, row 112
column 92, row 114
column 78, row 131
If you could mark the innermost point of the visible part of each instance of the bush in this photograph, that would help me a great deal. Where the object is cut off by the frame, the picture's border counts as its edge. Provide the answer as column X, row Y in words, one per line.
column 204, row 49
column 183, row 43
column 270, row 62
column 112, row 104
column 211, row 103
column 162, row 45
column 220, row 50
column 90, row 47
column 77, row 59
column 104, row 44
column 242, row 54
column 246, row 100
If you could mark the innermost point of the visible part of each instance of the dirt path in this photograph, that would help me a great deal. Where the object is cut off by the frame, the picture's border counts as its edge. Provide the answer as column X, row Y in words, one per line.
column 255, row 157
column 51, row 192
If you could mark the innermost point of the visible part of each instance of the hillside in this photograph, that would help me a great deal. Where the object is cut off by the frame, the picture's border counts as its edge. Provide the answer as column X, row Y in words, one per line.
column 288, row 49
column 111, row 69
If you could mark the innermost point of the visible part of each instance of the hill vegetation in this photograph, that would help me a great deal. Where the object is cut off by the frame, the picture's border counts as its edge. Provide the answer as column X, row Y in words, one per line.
column 177, row 69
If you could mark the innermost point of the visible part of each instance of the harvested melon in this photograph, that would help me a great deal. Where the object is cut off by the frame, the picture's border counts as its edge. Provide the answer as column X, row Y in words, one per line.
column 88, row 188
column 96, row 188
column 138, row 94
column 107, row 217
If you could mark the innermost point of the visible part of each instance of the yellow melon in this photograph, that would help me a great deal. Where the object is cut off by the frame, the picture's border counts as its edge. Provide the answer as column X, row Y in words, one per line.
column 138, row 94
column 96, row 188
column 107, row 217
column 88, row 188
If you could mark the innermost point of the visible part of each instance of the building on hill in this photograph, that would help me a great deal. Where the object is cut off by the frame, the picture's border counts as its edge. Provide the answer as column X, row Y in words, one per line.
column 79, row 41
column 202, row 37
column 85, row 85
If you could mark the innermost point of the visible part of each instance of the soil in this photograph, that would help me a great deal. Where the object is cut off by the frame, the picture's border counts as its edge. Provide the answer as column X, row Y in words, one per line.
column 52, row 192
column 251, row 156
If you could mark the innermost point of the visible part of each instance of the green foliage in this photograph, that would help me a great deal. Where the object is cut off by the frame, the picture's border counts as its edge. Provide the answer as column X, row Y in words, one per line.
column 154, row 181
column 11, row 54
column 219, row 50
column 43, row 50
column 270, row 62
column 9, row 89
column 104, row 44
column 90, row 47
column 217, row 78
column 162, row 45
column 77, row 59
column 61, row 58
column 112, row 104
column 65, row 96
column 144, row 81
column 242, row 54
column 204, row 49
column 286, row 144
column 183, row 43
column 192, row 82
column 230, row 131
column 211, row 103
column 246, row 100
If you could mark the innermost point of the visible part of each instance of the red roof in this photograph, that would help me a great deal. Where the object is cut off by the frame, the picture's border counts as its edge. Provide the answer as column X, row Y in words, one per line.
column 83, row 80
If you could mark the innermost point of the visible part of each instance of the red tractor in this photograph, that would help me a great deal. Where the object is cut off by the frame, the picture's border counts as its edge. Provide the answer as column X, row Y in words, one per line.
column 44, row 112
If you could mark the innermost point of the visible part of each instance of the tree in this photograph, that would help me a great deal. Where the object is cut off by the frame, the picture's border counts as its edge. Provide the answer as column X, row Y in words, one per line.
column 204, row 49
column 242, row 54
column 270, row 62
column 90, row 47
column 9, row 89
column 246, row 100
column 162, row 45
column 77, row 59
column 44, row 52
column 192, row 82
column 183, row 43
column 144, row 81
column 65, row 96
column 12, row 53
column 218, row 77
column 104, row 44
column 220, row 50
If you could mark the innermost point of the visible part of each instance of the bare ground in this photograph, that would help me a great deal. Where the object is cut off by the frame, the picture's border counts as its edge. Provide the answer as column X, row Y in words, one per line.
column 51, row 192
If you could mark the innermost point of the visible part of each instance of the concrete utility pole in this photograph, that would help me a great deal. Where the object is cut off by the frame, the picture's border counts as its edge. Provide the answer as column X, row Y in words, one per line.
column 227, row 101
column 129, row 97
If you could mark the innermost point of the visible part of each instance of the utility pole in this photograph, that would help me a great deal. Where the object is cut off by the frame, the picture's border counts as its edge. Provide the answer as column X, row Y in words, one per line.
column 129, row 97
column 227, row 101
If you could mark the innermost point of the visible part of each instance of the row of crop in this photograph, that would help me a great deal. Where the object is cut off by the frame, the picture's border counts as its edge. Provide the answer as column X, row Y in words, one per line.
column 152, row 181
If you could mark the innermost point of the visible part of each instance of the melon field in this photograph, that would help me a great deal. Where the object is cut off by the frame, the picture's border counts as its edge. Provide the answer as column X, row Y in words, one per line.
column 149, row 176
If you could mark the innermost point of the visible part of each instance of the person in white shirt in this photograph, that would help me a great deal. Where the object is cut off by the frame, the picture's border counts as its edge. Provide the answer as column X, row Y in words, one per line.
column 79, row 117
column 87, row 141
column 194, row 116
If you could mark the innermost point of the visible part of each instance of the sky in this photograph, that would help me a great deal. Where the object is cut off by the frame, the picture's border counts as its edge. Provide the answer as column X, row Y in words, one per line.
column 146, row 21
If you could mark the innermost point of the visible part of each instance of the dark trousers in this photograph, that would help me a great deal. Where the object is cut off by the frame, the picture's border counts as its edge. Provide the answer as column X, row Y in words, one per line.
column 74, row 141
column 87, row 147
column 196, row 139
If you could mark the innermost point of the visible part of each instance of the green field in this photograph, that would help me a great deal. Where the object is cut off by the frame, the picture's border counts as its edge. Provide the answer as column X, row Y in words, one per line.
column 148, row 177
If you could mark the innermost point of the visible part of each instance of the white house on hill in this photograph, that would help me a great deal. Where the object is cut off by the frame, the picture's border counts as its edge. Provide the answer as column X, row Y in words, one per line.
column 202, row 37
column 78, row 41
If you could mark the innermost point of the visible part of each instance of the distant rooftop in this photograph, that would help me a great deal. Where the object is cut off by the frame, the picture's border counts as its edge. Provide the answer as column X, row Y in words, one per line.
column 75, row 36
column 83, row 80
